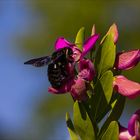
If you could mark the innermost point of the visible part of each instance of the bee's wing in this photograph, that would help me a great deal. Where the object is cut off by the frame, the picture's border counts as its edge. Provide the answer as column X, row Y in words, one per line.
column 39, row 62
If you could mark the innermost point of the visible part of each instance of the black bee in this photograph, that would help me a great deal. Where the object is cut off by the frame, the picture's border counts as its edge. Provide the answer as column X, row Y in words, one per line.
column 57, row 62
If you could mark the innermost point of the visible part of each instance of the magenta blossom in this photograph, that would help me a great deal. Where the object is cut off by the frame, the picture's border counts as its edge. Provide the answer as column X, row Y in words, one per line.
column 85, row 75
column 76, row 85
column 126, row 87
column 133, row 130
column 127, row 60
column 86, row 69
column 78, row 89
column 88, row 45
column 62, row 43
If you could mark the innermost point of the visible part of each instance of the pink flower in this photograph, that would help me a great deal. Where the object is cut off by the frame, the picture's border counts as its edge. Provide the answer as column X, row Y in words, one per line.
column 86, row 69
column 78, row 90
column 88, row 45
column 126, row 87
column 62, row 43
column 86, row 74
column 127, row 60
column 133, row 130
column 76, row 85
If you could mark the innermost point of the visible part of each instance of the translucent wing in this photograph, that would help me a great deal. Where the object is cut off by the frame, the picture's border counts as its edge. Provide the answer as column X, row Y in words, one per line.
column 39, row 62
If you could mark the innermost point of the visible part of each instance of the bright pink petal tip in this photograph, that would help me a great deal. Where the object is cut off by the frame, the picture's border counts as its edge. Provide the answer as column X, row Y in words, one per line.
column 62, row 43
column 126, row 87
column 127, row 60
column 57, row 91
column 113, row 30
column 89, row 44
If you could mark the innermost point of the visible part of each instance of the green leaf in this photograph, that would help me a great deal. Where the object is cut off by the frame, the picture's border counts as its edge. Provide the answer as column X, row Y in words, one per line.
column 112, row 132
column 103, row 93
column 98, row 101
column 117, row 109
column 71, row 128
column 107, row 84
column 79, row 41
column 82, row 122
column 105, row 56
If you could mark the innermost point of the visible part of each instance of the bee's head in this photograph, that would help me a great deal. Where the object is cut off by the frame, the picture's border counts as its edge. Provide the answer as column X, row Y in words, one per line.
column 69, row 53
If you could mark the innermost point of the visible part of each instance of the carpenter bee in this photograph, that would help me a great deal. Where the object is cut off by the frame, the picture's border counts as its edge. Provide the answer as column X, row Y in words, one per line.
column 57, row 62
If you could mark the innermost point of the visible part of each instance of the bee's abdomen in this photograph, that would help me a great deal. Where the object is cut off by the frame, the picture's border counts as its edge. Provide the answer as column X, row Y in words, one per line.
column 55, row 75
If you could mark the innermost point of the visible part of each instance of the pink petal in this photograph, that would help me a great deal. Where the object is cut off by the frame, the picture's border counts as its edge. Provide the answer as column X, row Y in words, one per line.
column 127, row 60
column 76, row 54
column 89, row 44
column 124, row 134
column 62, row 43
column 87, row 70
column 78, row 90
column 133, row 128
column 64, row 89
column 126, row 87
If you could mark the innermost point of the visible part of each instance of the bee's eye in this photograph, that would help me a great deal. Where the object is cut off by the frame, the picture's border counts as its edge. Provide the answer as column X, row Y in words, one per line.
column 70, row 51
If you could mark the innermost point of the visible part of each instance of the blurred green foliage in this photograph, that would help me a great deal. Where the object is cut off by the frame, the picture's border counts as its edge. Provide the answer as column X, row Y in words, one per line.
column 66, row 17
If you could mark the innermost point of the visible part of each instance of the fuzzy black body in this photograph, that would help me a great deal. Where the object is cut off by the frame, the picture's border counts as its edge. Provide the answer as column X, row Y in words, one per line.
column 57, row 71
column 57, row 65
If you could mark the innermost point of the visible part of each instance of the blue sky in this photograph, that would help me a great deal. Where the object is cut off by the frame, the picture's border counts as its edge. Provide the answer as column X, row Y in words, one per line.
column 16, row 95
